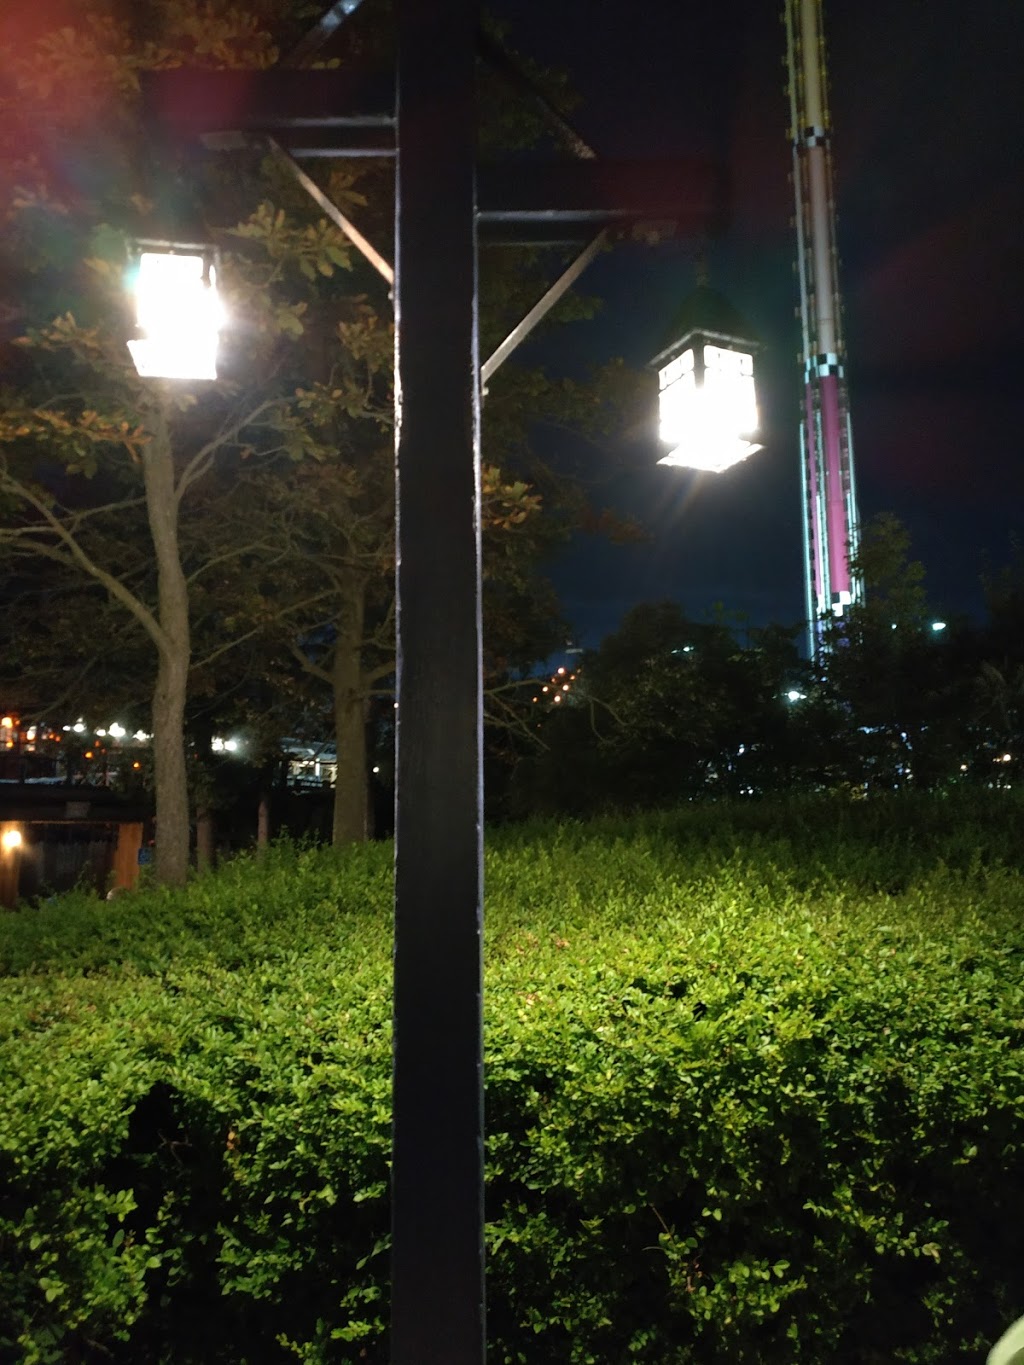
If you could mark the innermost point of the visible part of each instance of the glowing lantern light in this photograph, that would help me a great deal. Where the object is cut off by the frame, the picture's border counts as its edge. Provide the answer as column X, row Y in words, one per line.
column 179, row 314
column 707, row 404
column 10, row 840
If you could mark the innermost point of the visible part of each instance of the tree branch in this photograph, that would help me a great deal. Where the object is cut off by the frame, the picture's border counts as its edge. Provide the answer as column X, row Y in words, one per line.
column 77, row 555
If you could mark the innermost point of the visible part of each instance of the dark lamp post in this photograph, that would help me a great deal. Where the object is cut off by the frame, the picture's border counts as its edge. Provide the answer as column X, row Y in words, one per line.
column 447, row 202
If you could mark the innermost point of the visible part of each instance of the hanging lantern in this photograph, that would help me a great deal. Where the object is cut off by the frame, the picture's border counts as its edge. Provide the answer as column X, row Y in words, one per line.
column 707, row 404
column 178, row 312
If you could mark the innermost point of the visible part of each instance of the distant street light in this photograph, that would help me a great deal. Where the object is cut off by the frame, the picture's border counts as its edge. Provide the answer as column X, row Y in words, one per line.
column 178, row 312
column 707, row 403
column 938, row 625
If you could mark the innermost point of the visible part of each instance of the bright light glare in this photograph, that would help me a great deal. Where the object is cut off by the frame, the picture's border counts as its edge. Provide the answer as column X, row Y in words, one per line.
column 10, row 839
column 938, row 625
column 78, row 727
column 709, row 425
column 118, row 731
column 794, row 695
column 180, row 316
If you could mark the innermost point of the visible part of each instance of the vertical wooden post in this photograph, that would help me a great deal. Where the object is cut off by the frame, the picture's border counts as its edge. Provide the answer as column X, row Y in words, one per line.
column 437, row 1265
column 263, row 825
column 126, row 854
column 204, row 839
column 10, row 864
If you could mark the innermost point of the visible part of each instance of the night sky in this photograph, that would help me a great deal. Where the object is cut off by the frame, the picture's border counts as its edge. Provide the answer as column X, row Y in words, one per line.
column 928, row 137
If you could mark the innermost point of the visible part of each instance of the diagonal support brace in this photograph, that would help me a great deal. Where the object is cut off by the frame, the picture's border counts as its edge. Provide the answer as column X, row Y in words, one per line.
column 543, row 306
column 335, row 214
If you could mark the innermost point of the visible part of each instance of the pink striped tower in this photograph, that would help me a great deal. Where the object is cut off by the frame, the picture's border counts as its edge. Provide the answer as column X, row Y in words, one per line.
column 831, row 525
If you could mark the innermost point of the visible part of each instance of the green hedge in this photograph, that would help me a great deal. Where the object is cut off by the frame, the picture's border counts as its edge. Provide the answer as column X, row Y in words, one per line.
column 754, row 1094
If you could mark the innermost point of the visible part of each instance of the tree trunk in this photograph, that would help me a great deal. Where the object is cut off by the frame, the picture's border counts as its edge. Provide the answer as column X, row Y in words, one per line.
column 350, row 789
column 174, row 655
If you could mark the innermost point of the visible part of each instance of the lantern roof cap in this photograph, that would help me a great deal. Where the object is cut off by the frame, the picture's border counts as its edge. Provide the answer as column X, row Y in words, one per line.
column 707, row 313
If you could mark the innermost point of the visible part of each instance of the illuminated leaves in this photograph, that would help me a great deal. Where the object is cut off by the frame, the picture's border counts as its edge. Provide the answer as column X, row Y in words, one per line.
column 737, row 1111
column 290, row 244
column 78, row 437
column 505, row 504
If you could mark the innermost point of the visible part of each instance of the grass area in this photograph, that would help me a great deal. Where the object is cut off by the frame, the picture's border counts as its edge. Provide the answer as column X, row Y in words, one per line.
column 754, row 1093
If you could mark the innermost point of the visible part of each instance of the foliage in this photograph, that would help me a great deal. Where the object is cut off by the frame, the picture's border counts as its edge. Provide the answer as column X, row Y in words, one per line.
column 667, row 707
column 268, row 587
column 753, row 1094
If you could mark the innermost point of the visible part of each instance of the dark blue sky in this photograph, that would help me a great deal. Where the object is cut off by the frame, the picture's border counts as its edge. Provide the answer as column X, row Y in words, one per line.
column 927, row 115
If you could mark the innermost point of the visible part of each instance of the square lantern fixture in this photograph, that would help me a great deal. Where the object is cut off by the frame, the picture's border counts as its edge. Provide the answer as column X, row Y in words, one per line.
column 707, row 404
column 178, row 312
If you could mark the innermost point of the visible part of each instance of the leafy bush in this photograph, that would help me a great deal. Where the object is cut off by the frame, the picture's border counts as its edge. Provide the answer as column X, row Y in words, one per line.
column 754, row 1094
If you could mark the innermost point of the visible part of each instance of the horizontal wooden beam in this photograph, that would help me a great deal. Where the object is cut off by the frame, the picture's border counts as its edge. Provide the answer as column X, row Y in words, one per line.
column 688, row 192
column 190, row 104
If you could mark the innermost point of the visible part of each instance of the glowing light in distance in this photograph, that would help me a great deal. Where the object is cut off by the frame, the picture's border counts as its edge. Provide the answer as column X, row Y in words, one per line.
column 179, row 315
column 140, row 735
column 10, row 840
column 78, row 727
column 794, row 695
column 118, row 731
column 7, row 722
column 938, row 625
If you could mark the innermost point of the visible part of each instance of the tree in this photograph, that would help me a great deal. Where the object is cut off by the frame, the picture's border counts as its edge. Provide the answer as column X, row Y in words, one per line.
column 133, row 487
column 666, row 708
column 90, row 453
column 885, row 665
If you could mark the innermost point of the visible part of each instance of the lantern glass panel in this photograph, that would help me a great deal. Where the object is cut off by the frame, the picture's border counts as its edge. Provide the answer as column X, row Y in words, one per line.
column 708, row 408
column 677, row 407
column 179, row 315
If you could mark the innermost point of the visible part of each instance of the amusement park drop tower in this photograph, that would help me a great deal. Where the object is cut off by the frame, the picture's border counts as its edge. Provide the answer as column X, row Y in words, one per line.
column 830, row 518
